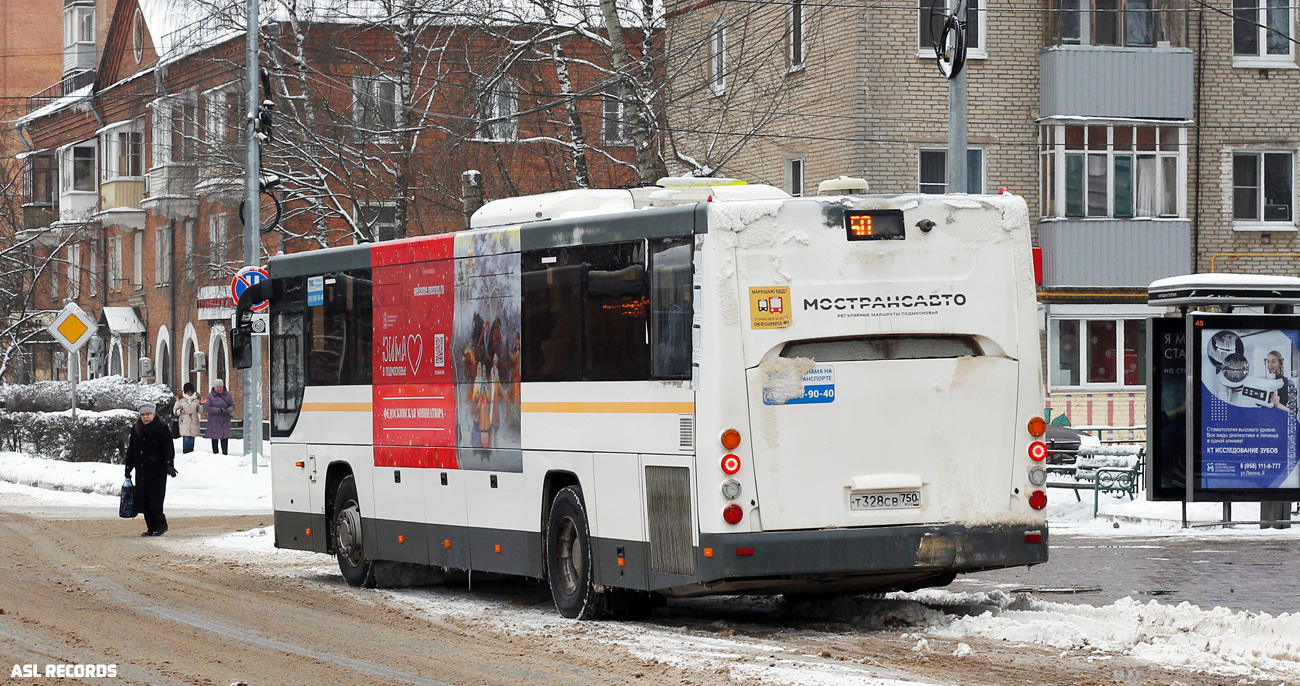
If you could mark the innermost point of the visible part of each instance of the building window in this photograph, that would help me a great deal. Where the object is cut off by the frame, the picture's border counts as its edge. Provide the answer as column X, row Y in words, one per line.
column 934, row 170
column 92, row 285
column 79, row 37
column 74, row 271
column 123, row 154
column 796, row 34
column 162, row 255
column 1263, row 187
column 224, row 115
column 794, row 176
column 1096, row 352
column 137, row 36
column 1116, row 171
column 379, row 220
column 932, row 25
column 1261, row 31
column 617, row 120
column 718, row 58
column 189, row 248
column 40, row 177
column 79, row 168
column 376, row 107
column 137, row 259
column 1130, row 23
column 217, row 244
column 498, row 107
column 115, row 264
column 182, row 118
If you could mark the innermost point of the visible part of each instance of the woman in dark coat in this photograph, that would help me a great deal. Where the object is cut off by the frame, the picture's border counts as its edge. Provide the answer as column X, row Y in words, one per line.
column 219, row 405
column 151, row 453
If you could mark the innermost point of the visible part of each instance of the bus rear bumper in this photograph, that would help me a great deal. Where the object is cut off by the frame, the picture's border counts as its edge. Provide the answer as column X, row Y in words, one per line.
column 861, row 559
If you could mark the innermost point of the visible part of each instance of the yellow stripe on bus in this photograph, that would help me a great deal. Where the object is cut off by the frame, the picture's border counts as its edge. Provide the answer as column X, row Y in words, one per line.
column 612, row 408
column 336, row 407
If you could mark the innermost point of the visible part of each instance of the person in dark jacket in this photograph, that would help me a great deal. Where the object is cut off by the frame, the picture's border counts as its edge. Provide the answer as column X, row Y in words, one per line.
column 151, row 454
column 219, row 405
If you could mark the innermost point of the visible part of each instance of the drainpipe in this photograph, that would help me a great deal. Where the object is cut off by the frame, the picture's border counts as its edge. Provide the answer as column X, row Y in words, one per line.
column 22, row 136
column 171, row 311
column 1200, row 78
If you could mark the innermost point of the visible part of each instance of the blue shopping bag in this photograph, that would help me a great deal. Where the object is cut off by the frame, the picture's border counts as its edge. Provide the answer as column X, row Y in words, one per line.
column 126, row 507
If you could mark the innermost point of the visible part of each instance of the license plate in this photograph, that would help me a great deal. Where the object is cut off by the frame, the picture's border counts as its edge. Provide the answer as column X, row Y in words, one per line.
column 901, row 500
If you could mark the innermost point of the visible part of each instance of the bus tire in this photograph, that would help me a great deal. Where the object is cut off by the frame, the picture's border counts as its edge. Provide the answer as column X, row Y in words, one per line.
column 569, row 558
column 348, row 544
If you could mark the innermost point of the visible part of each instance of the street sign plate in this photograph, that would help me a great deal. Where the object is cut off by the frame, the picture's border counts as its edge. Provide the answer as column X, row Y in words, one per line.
column 247, row 277
column 72, row 328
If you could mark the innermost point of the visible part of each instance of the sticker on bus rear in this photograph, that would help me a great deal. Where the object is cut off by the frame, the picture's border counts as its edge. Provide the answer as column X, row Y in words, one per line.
column 315, row 291
column 769, row 307
column 818, row 387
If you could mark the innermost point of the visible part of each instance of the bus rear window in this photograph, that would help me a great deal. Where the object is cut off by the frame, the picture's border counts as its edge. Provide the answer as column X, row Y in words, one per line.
column 869, row 348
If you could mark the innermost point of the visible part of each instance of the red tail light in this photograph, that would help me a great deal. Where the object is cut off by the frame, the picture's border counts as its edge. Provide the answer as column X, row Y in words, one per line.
column 1038, row 500
column 731, row 464
column 732, row 514
column 1038, row 451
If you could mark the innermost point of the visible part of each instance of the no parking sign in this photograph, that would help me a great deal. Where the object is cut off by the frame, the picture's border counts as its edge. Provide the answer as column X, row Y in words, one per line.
column 247, row 277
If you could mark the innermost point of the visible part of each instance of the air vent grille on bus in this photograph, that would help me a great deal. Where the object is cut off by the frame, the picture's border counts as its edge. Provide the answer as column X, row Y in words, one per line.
column 668, row 506
column 868, row 348
column 686, row 432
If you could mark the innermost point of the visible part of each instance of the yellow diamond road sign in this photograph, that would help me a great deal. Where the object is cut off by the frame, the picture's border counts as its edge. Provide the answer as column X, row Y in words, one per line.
column 73, row 327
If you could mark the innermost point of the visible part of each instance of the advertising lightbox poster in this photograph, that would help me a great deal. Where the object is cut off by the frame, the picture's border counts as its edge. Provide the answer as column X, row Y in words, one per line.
column 1247, row 444
column 1166, row 462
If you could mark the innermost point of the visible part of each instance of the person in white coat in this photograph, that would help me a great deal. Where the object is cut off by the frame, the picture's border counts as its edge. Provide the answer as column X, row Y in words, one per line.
column 188, row 407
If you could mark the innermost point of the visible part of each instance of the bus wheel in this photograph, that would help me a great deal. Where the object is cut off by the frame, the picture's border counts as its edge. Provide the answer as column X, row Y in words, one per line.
column 357, row 570
column 568, row 558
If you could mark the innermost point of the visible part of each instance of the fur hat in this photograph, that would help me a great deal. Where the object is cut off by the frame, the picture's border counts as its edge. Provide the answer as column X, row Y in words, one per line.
column 146, row 407
column 218, row 382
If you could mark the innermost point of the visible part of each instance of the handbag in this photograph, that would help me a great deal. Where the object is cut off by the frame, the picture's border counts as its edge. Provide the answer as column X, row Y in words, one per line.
column 126, row 505
column 175, row 426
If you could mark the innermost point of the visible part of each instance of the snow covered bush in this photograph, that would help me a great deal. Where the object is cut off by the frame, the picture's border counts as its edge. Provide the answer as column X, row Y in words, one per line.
column 37, row 418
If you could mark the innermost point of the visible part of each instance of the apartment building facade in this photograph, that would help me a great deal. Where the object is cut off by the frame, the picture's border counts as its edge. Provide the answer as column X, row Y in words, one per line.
column 141, row 170
column 1150, row 139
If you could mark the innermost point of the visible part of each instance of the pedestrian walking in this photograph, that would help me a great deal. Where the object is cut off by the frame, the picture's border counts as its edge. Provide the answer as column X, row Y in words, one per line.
column 151, row 454
column 219, row 405
column 187, row 412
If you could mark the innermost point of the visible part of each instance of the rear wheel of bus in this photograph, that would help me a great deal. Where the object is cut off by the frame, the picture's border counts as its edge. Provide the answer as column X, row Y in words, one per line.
column 356, row 569
column 569, row 557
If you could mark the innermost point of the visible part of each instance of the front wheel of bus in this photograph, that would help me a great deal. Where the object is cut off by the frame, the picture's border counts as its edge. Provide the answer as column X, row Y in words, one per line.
column 569, row 556
column 356, row 569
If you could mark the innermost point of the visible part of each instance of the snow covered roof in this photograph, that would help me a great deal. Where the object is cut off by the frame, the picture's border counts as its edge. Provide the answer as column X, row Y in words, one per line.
column 1236, row 289
column 80, row 95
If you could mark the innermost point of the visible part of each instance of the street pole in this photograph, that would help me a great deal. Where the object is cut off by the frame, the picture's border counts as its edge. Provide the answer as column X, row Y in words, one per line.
column 252, row 239
column 74, row 367
column 957, row 181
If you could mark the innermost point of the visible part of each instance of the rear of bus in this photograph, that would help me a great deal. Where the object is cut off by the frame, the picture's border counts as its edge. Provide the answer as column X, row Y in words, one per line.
column 868, row 384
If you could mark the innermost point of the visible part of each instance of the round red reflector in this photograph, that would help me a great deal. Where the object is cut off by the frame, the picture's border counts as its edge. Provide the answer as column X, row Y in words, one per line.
column 731, row 464
column 1038, row 500
column 1038, row 451
column 731, row 439
column 732, row 514
column 1037, row 427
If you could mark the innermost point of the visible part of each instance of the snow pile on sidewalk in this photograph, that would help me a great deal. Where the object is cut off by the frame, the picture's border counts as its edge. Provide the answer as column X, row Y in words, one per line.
column 1220, row 641
column 205, row 480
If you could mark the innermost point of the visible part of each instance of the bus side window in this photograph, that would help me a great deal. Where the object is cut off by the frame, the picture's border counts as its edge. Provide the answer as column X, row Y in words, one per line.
column 671, row 308
column 340, row 337
column 552, row 315
column 288, row 367
column 616, row 305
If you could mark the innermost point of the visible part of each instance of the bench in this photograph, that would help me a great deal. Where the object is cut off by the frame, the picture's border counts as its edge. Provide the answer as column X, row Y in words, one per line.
column 1105, row 469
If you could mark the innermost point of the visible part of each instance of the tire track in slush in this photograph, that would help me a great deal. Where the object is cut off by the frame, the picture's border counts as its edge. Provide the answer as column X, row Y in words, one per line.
column 143, row 604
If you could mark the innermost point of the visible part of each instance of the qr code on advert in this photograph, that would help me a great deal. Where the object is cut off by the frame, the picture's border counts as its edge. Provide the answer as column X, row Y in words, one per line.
column 439, row 349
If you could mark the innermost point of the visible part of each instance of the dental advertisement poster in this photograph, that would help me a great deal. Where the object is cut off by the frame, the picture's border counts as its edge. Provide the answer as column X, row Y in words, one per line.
column 1249, row 435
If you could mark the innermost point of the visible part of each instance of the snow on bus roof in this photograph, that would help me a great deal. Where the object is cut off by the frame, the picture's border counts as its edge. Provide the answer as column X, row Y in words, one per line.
column 1227, row 280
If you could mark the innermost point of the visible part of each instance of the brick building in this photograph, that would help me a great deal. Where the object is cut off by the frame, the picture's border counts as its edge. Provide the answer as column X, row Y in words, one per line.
column 1149, row 140
column 372, row 139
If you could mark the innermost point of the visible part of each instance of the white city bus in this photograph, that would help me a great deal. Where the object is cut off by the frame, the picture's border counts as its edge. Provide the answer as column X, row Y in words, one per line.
column 667, row 392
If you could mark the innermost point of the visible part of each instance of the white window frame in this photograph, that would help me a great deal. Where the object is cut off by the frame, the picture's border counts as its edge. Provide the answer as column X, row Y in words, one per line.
column 78, row 35
column 92, row 285
column 1261, row 224
column 74, row 271
column 115, row 264
column 796, row 31
column 54, row 268
column 980, row 18
column 1262, row 59
column 1053, row 154
column 137, row 259
column 1085, row 313
column 67, row 167
column 616, row 118
column 498, row 110
column 718, row 57
column 216, row 127
column 112, row 140
column 217, row 250
column 162, row 255
column 189, row 231
column 796, row 176
column 137, row 36
column 367, row 100
column 976, row 149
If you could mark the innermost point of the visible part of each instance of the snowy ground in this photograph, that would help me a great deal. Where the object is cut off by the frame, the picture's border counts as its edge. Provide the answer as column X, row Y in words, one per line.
column 1186, row 637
